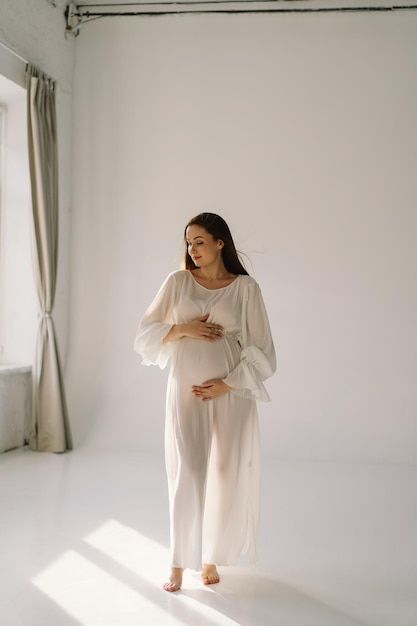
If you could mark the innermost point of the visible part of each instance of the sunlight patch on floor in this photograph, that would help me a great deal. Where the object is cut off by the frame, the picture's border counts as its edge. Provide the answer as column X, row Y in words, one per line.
column 94, row 597
column 144, row 557
column 129, row 548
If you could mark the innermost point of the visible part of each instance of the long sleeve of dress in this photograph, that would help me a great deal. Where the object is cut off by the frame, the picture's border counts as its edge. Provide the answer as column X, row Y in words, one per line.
column 258, row 361
column 155, row 325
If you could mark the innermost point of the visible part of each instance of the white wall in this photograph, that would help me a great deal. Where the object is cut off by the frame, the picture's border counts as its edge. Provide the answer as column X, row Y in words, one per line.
column 300, row 130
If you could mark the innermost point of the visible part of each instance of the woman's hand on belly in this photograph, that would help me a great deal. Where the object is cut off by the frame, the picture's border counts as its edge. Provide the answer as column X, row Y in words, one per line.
column 210, row 389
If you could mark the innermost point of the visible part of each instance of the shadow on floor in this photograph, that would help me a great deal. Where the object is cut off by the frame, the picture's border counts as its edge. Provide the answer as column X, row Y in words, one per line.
column 252, row 598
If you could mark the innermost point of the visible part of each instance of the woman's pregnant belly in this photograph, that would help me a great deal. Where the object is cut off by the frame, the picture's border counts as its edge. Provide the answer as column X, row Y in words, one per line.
column 196, row 360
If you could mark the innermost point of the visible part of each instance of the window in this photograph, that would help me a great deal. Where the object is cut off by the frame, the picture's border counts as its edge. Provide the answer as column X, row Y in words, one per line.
column 18, row 303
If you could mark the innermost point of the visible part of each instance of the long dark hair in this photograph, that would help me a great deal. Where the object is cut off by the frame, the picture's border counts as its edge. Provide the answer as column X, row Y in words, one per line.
column 218, row 229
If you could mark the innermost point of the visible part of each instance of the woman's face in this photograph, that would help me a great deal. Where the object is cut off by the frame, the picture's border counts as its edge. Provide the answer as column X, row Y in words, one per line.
column 202, row 248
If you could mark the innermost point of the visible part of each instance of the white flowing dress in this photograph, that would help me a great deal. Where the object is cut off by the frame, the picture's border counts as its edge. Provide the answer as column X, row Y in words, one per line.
column 212, row 448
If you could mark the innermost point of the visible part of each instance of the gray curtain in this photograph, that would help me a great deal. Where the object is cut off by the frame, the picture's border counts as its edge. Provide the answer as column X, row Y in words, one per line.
column 50, row 430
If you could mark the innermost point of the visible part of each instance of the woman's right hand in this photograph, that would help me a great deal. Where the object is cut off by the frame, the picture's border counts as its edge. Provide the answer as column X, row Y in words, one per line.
column 201, row 329
column 197, row 329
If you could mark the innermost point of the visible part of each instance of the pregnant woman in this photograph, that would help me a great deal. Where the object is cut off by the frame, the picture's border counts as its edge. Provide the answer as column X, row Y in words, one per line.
column 210, row 320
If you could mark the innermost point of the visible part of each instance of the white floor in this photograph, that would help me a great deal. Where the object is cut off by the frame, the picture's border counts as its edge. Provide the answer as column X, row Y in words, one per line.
column 83, row 541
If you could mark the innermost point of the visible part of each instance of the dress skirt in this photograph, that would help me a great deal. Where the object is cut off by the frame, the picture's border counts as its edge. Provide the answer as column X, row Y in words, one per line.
column 212, row 452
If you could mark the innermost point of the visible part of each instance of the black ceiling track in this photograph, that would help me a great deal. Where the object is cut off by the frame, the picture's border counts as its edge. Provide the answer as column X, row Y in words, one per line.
column 77, row 16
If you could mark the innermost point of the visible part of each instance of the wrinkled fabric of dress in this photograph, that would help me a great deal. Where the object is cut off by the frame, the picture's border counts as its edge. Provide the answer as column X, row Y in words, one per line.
column 212, row 448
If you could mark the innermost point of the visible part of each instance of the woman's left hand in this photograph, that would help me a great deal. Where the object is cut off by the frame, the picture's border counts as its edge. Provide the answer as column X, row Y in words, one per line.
column 210, row 389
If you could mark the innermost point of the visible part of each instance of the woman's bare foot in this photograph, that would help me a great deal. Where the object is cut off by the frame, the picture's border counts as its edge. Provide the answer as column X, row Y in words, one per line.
column 175, row 580
column 210, row 575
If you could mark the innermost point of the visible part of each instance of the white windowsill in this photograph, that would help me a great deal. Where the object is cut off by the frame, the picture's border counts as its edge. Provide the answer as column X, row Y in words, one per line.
column 12, row 368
